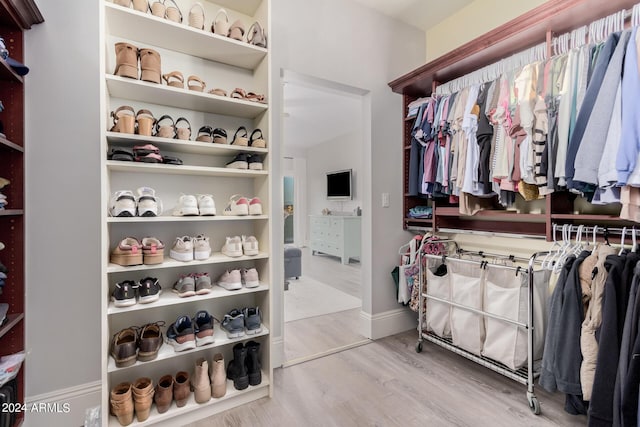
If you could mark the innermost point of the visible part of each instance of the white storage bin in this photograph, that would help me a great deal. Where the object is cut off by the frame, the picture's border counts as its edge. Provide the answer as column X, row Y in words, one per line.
column 438, row 313
column 467, row 328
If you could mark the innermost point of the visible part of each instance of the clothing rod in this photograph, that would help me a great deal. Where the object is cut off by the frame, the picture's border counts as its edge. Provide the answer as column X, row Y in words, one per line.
column 491, row 234
column 600, row 229
column 492, row 255
column 470, row 261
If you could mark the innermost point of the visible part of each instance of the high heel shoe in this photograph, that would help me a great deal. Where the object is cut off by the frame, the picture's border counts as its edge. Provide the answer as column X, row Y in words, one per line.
column 183, row 133
column 173, row 13
column 124, row 120
column 240, row 137
column 126, row 60
column 205, row 134
column 196, row 16
column 236, row 31
column 256, row 35
column 158, row 8
column 150, row 65
column 220, row 26
column 145, row 121
column 164, row 130
column 256, row 140
column 141, row 5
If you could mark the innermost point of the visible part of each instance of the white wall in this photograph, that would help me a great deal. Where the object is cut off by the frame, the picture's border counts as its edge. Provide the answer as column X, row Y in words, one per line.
column 63, row 200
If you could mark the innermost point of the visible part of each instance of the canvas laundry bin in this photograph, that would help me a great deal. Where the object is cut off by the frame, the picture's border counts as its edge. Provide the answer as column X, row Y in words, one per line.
column 467, row 327
column 438, row 314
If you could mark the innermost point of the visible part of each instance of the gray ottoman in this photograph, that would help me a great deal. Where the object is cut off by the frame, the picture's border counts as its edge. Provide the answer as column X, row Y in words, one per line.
column 292, row 261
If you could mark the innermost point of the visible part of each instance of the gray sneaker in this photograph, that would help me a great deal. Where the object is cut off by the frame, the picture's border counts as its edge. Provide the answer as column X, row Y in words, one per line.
column 203, row 283
column 252, row 321
column 233, row 323
column 185, row 286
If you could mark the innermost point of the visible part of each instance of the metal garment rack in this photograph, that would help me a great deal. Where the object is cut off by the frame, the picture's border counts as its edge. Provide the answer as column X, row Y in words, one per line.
column 525, row 376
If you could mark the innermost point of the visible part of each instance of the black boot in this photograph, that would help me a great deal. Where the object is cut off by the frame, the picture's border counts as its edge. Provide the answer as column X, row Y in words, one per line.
column 253, row 362
column 237, row 369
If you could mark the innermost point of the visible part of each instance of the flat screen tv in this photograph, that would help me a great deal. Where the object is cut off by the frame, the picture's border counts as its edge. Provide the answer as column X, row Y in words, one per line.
column 339, row 185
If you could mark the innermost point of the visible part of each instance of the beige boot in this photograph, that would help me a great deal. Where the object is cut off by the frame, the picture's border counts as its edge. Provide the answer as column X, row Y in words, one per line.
column 200, row 381
column 126, row 60
column 143, row 397
column 150, row 66
column 122, row 403
column 218, row 376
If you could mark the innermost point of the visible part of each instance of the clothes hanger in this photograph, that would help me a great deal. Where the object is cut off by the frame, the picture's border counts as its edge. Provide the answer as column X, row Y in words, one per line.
column 633, row 239
column 595, row 241
column 546, row 261
column 624, row 232
column 578, row 247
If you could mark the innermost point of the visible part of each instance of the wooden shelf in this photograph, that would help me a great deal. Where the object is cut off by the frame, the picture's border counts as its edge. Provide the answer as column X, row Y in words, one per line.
column 140, row 219
column 209, row 408
column 139, row 167
column 5, row 143
column 191, row 147
column 7, row 74
column 216, row 258
column 11, row 212
column 155, row 31
column 171, row 298
column 12, row 320
column 167, row 351
column 419, row 220
column 520, row 217
column 137, row 90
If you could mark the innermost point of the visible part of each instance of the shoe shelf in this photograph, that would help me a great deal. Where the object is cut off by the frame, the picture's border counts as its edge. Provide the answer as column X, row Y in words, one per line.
column 191, row 147
column 11, row 212
column 167, row 351
column 171, row 298
column 216, row 258
column 213, row 406
column 138, row 90
column 7, row 74
column 118, row 166
column 12, row 320
column 5, row 143
column 140, row 219
column 155, row 31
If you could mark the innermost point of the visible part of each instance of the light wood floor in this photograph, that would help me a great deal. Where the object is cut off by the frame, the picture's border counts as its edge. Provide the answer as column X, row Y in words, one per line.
column 386, row 383
column 315, row 335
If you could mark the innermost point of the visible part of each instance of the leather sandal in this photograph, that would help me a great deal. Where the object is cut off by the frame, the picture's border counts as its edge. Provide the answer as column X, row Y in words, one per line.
column 256, row 140
column 172, row 12
column 145, row 122
column 218, row 91
column 240, row 137
column 141, row 5
column 165, row 128
column 256, row 35
column 124, row 120
column 220, row 26
column 195, row 83
column 238, row 93
column 255, row 97
column 174, row 79
column 196, row 16
column 120, row 154
column 158, row 8
column 183, row 133
column 236, row 31
column 150, row 65
column 205, row 134
column 219, row 136
column 126, row 60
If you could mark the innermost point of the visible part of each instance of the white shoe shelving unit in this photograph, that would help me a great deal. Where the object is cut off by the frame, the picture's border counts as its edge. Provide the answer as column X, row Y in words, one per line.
column 222, row 63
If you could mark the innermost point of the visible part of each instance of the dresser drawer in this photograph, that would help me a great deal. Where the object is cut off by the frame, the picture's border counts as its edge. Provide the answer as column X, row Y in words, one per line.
column 320, row 222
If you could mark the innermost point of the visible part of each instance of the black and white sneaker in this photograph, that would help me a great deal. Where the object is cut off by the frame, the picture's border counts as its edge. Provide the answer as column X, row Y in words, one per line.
column 241, row 161
column 122, row 204
column 255, row 162
column 124, row 294
column 149, row 290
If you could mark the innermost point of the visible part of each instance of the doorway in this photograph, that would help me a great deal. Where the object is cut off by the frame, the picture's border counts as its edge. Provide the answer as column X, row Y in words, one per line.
column 323, row 132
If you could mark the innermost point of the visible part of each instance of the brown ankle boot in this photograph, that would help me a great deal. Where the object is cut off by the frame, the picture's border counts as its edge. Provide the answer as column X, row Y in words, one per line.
column 122, row 403
column 164, row 393
column 181, row 389
column 150, row 65
column 218, row 376
column 126, row 60
column 143, row 397
column 200, row 382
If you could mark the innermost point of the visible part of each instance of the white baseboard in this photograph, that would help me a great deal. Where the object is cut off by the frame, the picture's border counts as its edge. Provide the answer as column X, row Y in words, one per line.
column 277, row 352
column 387, row 323
column 62, row 408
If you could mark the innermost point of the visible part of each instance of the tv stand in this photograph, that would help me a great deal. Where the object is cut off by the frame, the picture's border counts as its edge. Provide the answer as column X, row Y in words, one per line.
column 336, row 235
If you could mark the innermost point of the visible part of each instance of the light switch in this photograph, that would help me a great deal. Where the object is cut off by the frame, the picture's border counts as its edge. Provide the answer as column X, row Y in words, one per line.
column 385, row 200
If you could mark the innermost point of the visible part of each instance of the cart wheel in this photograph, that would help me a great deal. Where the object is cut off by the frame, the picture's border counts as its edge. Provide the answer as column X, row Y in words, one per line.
column 419, row 347
column 534, row 405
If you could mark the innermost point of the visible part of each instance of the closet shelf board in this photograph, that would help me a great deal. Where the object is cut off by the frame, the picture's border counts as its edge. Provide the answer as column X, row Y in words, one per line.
column 181, row 146
column 584, row 217
column 418, row 221
column 7, row 74
column 12, row 320
column 216, row 258
column 216, row 218
column 151, row 30
column 168, row 298
column 5, row 143
column 118, row 166
column 231, row 399
column 137, row 90
column 520, row 217
column 11, row 212
column 167, row 352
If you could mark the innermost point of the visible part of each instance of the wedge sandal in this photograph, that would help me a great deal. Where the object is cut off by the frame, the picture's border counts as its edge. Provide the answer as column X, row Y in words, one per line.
column 196, row 16
column 195, row 83
column 219, row 136
column 141, row 5
column 174, row 79
column 124, row 120
column 145, row 122
column 257, row 140
column 158, row 8
column 205, row 134
column 165, row 127
column 238, row 93
column 240, row 137
column 236, row 31
column 256, row 35
column 128, row 252
column 220, row 24
column 172, row 12
column 182, row 132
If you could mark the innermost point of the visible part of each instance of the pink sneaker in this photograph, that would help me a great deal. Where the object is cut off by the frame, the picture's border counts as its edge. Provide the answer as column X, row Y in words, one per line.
column 238, row 206
column 255, row 206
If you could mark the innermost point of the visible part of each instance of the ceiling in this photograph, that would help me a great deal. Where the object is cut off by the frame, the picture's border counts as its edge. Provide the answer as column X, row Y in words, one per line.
column 422, row 14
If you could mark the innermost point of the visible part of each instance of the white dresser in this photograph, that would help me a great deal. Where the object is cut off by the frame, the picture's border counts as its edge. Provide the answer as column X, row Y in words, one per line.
column 336, row 235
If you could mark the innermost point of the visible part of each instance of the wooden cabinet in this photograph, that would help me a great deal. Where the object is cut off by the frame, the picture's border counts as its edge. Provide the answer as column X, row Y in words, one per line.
column 336, row 235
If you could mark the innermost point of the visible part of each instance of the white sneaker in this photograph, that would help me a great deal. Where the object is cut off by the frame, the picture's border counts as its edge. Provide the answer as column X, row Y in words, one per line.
column 148, row 203
column 201, row 247
column 187, row 205
column 182, row 249
column 232, row 247
column 206, row 205
column 250, row 277
column 122, row 204
column 230, row 280
column 250, row 245
column 255, row 206
column 238, row 206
